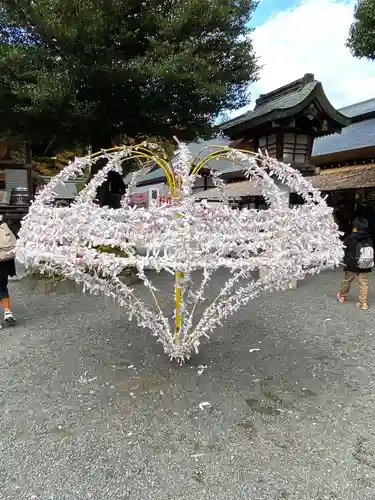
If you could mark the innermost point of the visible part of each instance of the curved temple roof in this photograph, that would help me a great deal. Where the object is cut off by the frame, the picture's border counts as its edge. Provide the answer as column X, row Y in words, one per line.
column 286, row 102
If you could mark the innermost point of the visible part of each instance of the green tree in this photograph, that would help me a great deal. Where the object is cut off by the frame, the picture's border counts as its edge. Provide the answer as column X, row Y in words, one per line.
column 89, row 71
column 361, row 39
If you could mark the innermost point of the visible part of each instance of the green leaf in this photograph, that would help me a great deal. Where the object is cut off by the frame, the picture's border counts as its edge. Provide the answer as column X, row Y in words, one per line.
column 91, row 71
column 361, row 39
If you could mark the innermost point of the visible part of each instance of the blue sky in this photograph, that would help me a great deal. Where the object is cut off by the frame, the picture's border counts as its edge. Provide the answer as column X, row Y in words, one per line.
column 267, row 8
column 294, row 37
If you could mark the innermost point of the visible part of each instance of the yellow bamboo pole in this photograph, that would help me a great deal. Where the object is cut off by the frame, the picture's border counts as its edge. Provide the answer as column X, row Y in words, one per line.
column 178, row 285
column 174, row 186
column 220, row 153
column 141, row 152
column 179, row 277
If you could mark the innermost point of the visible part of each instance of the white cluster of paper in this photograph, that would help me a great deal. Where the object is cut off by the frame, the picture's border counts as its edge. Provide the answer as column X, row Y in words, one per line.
column 283, row 243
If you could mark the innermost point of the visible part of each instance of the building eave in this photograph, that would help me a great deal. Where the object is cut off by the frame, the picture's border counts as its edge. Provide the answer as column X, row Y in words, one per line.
column 332, row 112
column 359, row 154
column 234, row 128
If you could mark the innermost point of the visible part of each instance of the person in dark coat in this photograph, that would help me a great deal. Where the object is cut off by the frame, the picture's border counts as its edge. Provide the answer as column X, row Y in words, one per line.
column 111, row 191
column 115, row 189
column 358, row 261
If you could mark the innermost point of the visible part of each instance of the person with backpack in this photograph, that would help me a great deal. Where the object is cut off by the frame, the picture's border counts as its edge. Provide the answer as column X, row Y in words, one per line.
column 358, row 262
column 7, row 269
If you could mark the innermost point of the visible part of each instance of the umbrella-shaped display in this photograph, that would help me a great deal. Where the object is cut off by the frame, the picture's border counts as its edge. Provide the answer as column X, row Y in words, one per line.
column 184, row 237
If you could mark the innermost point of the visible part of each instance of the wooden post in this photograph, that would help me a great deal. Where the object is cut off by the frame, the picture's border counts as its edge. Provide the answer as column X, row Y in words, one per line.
column 29, row 180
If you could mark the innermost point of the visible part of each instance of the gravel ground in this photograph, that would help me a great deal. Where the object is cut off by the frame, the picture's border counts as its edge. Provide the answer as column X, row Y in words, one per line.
column 90, row 408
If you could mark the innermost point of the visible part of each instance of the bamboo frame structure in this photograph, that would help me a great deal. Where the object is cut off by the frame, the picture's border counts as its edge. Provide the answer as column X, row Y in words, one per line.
column 174, row 185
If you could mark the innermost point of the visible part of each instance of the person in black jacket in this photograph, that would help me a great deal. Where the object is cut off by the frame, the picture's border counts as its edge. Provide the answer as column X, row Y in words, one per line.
column 358, row 261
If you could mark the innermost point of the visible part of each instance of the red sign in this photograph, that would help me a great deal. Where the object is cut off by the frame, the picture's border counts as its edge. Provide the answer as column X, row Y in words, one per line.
column 139, row 197
column 165, row 200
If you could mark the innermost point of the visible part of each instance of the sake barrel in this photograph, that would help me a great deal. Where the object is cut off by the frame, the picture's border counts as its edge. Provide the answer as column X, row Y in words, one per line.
column 20, row 196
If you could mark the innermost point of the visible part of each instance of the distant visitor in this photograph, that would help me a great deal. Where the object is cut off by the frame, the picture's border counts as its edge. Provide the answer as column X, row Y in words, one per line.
column 358, row 261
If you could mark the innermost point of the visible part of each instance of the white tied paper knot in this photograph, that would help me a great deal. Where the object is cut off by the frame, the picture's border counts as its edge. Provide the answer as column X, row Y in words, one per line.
column 283, row 243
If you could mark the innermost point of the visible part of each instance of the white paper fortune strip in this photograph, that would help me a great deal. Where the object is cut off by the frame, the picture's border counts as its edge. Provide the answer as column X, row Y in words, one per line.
column 283, row 243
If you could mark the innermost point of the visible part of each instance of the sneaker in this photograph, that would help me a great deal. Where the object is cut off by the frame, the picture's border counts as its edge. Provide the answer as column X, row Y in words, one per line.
column 340, row 298
column 364, row 307
column 9, row 318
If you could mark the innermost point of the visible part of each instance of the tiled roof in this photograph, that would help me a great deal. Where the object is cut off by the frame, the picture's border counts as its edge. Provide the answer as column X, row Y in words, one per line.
column 355, row 136
column 202, row 148
column 360, row 176
column 232, row 190
column 343, row 178
column 282, row 102
column 195, row 148
column 128, row 177
column 359, row 108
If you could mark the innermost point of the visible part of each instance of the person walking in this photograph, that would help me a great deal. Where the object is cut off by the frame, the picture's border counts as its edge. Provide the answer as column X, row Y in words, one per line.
column 7, row 269
column 358, row 261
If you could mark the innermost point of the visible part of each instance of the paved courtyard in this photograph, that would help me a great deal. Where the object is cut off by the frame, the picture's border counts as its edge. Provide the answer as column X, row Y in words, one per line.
column 90, row 408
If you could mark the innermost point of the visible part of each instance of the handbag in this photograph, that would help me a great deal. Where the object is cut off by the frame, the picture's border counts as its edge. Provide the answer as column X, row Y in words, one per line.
column 7, row 242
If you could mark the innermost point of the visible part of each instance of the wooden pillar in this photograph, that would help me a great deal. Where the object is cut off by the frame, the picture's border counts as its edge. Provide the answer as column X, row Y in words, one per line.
column 279, row 145
column 29, row 180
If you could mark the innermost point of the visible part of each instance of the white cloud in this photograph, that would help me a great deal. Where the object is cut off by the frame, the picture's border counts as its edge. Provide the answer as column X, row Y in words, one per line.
column 311, row 38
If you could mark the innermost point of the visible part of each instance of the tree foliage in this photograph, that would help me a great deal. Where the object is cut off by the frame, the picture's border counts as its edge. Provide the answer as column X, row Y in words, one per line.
column 361, row 39
column 88, row 71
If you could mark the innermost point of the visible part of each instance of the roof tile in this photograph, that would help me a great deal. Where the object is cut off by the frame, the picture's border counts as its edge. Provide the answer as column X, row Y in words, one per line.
column 359, row 108
column 355, row 136
column 285, row 101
